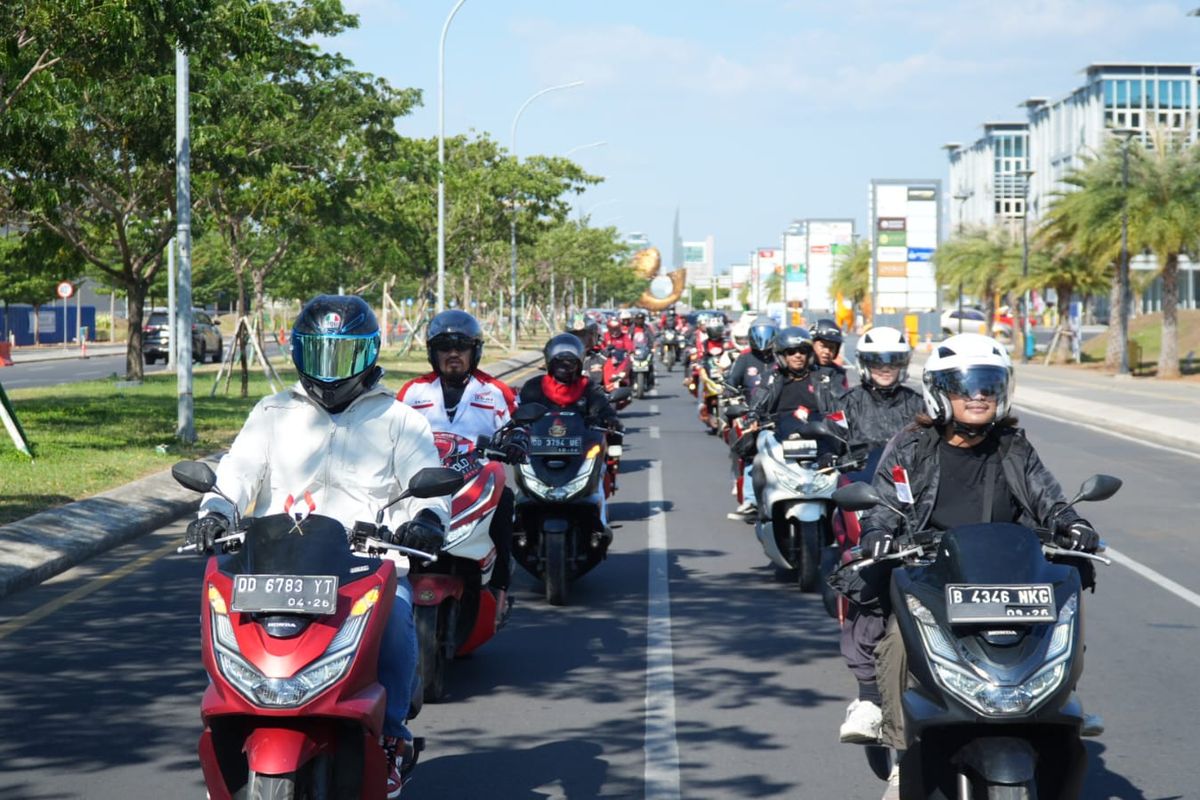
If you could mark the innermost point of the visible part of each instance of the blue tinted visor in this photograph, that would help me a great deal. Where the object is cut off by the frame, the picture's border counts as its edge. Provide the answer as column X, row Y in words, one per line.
column 334, row 357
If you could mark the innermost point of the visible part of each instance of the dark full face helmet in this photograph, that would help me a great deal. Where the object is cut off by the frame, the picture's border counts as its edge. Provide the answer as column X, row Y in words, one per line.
column 790, row 341
column 458, row 329
column 564, row 357
column 335, row 347
column 714, row 329
column 826, row 330
column 639, row 317
column 762, row 336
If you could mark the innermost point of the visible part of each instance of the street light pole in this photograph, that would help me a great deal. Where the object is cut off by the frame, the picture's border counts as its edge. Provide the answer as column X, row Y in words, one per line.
column 962, row 198
column 441, row 211
column 513, row 210
column 185, row 420
column 1026, row 328
column 577, row 148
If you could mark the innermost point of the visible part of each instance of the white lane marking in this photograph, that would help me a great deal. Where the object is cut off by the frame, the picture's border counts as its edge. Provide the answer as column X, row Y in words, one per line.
column 654, row 408
column 1150, row 575
column 654, row 432
column 661, row 746
column 1177, row 451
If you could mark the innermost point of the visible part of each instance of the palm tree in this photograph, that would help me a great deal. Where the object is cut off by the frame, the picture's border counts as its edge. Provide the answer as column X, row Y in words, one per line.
column 852, row 278
column 984, row 261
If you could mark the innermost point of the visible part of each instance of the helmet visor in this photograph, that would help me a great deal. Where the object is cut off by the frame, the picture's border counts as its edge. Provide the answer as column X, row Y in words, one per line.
column 973, row 382
column 453, row 341
column 869, row 360
column 326, row 357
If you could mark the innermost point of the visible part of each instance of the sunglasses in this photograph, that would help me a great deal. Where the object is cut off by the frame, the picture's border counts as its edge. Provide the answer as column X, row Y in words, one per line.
column 795, row 351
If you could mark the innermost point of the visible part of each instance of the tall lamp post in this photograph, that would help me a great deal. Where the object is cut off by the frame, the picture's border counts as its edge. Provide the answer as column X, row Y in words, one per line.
column 512, row 288
column 587, row 146
column 441, row 211
column 1026, row 327
column 1127, row 135
column 962, row 198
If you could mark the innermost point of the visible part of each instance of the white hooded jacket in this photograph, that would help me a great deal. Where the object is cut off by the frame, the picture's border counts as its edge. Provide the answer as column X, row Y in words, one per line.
column 351, row 464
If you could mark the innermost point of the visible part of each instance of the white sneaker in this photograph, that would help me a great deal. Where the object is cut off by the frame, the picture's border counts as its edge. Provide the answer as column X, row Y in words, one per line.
column 893, row 788
column 743, row 511
column 863, row 722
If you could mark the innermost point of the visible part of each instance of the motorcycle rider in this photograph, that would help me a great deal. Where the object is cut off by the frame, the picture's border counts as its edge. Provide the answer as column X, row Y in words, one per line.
column 565, row 386
column 881, row 404
column 641, row 332
column 830, row 376
column 625, row 316
column 457, row 397
column 616, row 337
column 794, row 382
column 587, row 330
column 713, row 336
column 748, row 373
column 963, row 461
column 283, row 450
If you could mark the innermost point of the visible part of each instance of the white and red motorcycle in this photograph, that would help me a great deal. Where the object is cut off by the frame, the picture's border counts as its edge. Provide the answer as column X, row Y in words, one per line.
column 455, row 608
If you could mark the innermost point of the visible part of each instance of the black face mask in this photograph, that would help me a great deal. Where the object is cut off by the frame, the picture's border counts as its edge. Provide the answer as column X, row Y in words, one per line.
column 565, row 371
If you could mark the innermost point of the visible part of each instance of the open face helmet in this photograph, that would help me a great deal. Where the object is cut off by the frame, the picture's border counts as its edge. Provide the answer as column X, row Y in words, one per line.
column 967, row 365
column 790, row 340
column 880, row 347
column 625, row 316
column 335, row 347
column 454, row 327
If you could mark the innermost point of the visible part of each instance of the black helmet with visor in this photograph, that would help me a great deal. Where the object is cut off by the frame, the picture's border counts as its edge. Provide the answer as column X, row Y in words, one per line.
column 335, row 347
column 762, row 336
column 792, row 340
column 564, row 357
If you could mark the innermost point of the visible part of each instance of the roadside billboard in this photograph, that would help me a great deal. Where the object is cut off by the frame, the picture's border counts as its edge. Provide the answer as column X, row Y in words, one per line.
column 698, row 260
column 739, row 275
column 795, row 268
column 828, row 243
column 905, row 230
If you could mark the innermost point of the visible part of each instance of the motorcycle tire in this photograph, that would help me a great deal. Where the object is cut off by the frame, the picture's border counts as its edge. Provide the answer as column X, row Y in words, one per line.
column 809, row 569
column 830, row 558
column 639, row 386
column 557, row 586
column 669, row 361
column 431, row 654
column 271, row 787
column 1006, row 792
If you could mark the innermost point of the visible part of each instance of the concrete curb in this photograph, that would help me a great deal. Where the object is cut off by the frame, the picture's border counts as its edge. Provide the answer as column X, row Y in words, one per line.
column 50, row 542
column 1144, row 427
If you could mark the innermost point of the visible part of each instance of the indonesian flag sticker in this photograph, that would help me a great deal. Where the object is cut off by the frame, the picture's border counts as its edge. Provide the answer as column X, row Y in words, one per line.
column 839, row 417
column 801, row 413
column 903, row 490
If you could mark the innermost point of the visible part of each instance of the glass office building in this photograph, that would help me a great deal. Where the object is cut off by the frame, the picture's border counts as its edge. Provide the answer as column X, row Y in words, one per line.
column 987, row 180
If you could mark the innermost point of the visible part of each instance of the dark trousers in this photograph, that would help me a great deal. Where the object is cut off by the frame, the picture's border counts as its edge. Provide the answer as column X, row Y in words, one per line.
column 861, row 634
column 501, row 532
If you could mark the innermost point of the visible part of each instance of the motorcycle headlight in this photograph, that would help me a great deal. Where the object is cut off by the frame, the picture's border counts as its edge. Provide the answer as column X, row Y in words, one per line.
column 305, row 684
column 977, row 689
column 1060, row 640
column 569, row 489
column 532, row 483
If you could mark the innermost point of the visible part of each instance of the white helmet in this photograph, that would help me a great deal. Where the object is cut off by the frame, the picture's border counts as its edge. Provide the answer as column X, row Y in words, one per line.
column 967, row 364
column 879, row 347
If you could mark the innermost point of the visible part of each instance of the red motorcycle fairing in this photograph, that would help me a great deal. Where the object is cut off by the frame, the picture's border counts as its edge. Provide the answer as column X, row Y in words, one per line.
column 431, row 588
column 485, row 624
column 356, row 697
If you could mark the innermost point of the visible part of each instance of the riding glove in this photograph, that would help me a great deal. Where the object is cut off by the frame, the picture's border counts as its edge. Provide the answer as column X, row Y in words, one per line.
column 201, row 532
column 1079, row 535
column 875, row 544
column 424, row 533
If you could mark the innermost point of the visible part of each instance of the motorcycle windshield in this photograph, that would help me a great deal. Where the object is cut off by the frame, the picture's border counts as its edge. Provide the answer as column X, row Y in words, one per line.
column 279, row 545
column 993, row 553
column 789, row 426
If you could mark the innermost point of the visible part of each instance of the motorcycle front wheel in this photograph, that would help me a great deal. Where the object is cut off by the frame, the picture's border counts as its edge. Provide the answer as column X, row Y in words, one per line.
column 808, row 535
column 431, row 655
column 271, row 787
column 639, row 386
column 556, row 569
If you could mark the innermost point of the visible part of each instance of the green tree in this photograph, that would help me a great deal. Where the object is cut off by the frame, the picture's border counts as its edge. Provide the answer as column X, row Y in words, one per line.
column 852, row 277
column 984, row 261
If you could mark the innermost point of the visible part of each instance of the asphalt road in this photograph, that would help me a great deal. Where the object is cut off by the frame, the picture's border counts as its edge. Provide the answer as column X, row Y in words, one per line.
column 52, row 373
column 99, row 695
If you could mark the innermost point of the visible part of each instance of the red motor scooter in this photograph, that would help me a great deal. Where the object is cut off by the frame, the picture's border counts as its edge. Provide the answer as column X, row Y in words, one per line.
column 291, row 624
column 454, row 607
column 618, row 373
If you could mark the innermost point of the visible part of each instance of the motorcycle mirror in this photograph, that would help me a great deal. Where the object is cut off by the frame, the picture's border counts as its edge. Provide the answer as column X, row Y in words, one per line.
column 620, row 395
column 529, row 413
column 428, row 482
column 857, row 496
column 1097, row 487
column 194, row 475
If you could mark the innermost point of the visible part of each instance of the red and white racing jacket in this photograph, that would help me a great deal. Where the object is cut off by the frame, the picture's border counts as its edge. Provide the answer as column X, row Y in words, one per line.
column 486, row 404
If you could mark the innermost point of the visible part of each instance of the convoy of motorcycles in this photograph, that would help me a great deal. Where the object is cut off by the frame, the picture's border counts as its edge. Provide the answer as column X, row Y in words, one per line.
column 990, row 615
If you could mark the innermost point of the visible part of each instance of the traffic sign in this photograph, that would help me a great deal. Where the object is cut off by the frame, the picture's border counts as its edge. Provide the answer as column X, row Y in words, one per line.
column 65, row 290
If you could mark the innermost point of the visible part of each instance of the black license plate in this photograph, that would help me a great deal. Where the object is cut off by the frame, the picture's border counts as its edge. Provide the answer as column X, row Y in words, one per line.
column 555, row 445
column 974, row 603
column 297, row 594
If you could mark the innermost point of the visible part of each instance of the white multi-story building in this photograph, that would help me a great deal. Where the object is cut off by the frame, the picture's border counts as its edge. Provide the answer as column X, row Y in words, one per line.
column 988, row 178
column 1115, row 99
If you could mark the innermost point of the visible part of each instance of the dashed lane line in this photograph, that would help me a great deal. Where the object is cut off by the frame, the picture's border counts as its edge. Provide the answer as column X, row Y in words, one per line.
column 661, row 745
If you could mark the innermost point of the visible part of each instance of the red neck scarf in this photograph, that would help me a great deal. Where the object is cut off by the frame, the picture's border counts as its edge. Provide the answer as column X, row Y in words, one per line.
column 563, row 394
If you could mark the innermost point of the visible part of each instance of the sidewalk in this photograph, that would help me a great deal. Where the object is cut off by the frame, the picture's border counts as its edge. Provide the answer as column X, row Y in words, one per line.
column 43, row 545
column 26, row 355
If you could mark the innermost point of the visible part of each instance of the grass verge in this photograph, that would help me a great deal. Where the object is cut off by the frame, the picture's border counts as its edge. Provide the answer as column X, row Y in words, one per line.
column 1146, row 331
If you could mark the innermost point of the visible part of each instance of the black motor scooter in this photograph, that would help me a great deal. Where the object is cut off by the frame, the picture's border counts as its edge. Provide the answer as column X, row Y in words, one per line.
column 991, row 618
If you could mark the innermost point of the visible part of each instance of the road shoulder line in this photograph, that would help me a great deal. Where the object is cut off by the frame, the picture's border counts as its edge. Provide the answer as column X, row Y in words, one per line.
column 661, row 745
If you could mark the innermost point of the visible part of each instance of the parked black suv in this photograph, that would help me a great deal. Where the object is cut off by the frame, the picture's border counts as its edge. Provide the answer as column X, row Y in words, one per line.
column 207, row 344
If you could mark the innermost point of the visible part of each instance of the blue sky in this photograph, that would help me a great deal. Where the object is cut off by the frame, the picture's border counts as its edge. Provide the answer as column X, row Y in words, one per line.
column 749, row 114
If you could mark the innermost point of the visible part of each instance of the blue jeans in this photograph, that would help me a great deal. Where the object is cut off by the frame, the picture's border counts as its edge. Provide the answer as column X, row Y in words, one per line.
column 398, row 661
column 748, row 495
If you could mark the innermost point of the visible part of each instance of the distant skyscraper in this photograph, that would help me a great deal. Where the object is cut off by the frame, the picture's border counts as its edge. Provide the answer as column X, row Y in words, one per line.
column 676, row 244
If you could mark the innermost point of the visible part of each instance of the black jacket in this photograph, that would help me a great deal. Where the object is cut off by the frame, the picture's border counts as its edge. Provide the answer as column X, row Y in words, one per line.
column 830, row 383
column 874, row 417
column 593, row 405
column 916, row 449
column 748, row 374
column 766, row 399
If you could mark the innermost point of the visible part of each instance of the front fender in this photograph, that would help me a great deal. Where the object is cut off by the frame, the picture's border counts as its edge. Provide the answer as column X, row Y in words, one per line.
column 431, row 589
column 807, row 511
column 275, row 751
